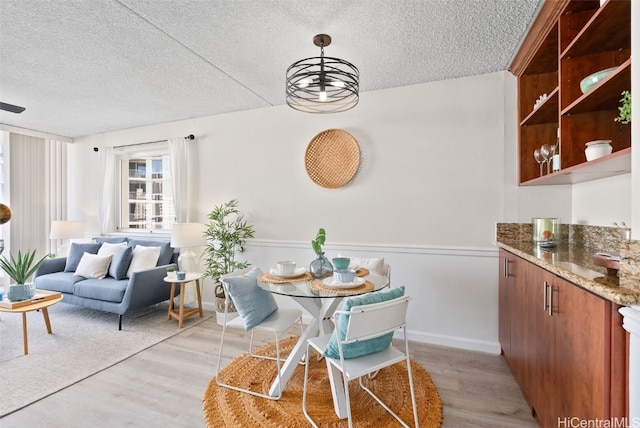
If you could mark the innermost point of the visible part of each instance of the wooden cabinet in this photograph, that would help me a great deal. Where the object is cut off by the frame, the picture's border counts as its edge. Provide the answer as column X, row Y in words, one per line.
column 569, row 40
column 563, row 345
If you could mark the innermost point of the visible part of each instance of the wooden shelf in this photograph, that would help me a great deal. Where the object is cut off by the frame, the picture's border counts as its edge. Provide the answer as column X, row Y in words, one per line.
column 547, row 112
column 616, row 163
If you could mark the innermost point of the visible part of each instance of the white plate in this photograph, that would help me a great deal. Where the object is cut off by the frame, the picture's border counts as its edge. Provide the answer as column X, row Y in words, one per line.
column 331, row 282
column 297, row 272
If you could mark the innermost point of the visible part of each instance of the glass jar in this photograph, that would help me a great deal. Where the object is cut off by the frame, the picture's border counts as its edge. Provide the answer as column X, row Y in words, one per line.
column 546, row 231
column 321, row 267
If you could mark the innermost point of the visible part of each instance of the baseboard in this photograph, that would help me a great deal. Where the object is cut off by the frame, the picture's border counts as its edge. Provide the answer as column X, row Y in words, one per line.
column 455, row 342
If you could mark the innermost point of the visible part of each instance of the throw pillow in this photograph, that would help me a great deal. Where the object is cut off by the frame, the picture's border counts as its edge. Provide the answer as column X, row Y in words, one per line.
column 166, row 251
column 373, row 264
column 109, row 249
column 253, row 303
column 76, row 252
column 365, row 347
column 120, row 263
column 93, row 266
column 143, row 258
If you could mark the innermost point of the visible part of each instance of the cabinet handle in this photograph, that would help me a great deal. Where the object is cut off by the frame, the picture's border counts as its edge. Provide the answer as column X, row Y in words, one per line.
column 506, row 268
column 544, row 297
column 550, row 300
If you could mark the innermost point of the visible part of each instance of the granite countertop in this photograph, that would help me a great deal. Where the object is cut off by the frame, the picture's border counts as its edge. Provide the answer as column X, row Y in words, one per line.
column 575, row 264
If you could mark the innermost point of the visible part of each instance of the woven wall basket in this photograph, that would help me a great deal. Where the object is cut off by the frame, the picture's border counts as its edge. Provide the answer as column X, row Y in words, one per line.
column 332, row 158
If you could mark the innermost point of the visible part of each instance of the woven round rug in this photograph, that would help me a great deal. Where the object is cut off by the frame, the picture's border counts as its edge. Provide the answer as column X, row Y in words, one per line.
column 224, row 407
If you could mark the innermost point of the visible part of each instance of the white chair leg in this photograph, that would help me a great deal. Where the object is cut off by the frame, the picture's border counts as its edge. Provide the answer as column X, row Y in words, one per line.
column 304, row 388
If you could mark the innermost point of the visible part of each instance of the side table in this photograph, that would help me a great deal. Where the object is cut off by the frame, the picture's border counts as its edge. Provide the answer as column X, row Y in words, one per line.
column 183, row 313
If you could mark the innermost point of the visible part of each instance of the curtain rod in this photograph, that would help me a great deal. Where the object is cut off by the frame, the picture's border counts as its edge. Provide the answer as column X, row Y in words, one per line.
column 188, row 137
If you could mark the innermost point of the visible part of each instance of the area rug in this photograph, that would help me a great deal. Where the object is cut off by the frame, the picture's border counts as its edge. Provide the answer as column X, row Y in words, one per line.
column 224, row 407
column 83, row 342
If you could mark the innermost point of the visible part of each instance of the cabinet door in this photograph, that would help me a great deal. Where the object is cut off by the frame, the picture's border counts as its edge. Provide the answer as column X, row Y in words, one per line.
column 506, row 272
column 582, row 360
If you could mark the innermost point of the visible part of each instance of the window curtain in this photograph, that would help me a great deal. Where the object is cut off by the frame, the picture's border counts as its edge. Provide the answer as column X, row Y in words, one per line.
column 37, row 171
column 181, row 188
column 107, row 165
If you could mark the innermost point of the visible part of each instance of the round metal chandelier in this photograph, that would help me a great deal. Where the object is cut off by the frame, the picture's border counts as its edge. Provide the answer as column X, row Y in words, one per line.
column 322, row 84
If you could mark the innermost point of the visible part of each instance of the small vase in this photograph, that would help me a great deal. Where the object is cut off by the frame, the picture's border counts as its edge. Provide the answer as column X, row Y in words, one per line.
column 321, row 267
column 19, row 292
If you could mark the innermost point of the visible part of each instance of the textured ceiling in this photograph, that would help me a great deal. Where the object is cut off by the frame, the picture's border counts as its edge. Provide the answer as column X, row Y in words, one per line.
column 84, row 67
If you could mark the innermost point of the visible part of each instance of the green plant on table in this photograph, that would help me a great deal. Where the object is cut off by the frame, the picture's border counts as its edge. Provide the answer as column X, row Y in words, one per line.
column 226, row 235
column 21, row 268
column 625, row 108
column 317, row 243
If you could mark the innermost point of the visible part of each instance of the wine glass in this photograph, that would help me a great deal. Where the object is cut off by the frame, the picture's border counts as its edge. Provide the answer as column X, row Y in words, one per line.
column 538, row 157
column 552, row 152
column 545, row 152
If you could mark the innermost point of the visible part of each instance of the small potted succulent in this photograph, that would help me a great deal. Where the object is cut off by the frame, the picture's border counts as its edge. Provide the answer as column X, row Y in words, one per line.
column 171, row 272
column 20, row 269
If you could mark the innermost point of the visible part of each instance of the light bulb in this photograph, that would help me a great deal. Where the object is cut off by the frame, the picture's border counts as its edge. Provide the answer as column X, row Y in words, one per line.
column 323, row 96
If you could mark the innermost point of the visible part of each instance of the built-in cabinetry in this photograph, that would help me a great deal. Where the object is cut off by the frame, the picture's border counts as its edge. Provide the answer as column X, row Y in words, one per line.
column 569, row 40
column 565, row 346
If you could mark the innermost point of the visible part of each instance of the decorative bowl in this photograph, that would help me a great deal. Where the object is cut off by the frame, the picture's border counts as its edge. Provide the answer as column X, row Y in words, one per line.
column 344, row 275
column 593, row 79
column 286, row 266
column 341, row 262
column 598, row 148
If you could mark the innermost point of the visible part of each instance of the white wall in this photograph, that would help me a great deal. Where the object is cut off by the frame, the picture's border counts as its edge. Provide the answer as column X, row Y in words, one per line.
column 431, row 186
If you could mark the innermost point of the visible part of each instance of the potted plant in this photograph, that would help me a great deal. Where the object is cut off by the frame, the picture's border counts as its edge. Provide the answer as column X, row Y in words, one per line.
column 226, row 235
column 171, row 272
column 20, row 269
column 320, row 267
column 625, row 108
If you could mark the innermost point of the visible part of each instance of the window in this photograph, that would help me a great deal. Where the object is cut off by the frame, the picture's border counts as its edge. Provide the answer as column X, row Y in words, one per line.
column 146, row 199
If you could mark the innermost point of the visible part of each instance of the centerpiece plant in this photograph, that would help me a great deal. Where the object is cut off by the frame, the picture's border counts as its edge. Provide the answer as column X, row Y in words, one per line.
column 320, row 267
column 20, row 269
column 226, row 235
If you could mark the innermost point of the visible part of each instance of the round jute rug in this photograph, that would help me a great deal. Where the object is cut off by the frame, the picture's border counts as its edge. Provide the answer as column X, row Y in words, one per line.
column 224, row 407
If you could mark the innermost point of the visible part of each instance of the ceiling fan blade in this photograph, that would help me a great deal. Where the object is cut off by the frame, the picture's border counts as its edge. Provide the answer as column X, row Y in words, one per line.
column 11, row 108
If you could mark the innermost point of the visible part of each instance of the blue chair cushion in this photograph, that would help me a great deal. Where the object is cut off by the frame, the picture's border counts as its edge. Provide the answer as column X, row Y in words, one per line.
column 76, row 252
column 166, row 251
column 252, row 302
column 358, row 349
column 120, row 263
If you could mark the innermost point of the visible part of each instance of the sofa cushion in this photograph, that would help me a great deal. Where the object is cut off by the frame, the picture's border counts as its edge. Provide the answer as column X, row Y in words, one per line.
column 120, row 263
column 143, row 258
column 106, row 289
column 58, row 281
column 76, row 252
column 357, row 349
column 166, row 251
column 93, row 266
column 112, row 239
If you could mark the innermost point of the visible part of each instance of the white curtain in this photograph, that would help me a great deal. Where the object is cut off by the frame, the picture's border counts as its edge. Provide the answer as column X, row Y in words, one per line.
column 178, row 156
column 107, row 166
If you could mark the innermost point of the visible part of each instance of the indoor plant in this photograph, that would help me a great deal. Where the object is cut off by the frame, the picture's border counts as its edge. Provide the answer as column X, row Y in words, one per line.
column 20, row 269
column 320, row 267
column 226, row 235
column 625, row 108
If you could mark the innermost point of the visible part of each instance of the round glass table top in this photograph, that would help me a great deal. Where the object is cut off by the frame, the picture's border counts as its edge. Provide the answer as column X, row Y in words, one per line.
column 303, row 288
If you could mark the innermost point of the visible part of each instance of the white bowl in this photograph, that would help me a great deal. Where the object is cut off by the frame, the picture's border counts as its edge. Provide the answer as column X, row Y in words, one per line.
column 344, row 276
column 598, row 148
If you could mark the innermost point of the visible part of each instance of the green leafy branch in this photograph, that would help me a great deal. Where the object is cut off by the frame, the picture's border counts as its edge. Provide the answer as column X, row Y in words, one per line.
column 319, row 241
column 21, row 268
column 625, row 108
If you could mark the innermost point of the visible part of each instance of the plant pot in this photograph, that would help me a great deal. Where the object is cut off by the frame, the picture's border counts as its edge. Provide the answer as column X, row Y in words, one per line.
column 19, row 292
column 231, row 314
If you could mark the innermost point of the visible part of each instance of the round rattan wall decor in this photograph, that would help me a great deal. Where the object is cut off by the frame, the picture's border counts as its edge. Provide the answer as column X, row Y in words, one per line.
column 332, row 158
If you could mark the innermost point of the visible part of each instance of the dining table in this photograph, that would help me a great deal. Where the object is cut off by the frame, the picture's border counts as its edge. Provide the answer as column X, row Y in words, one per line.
column 319, row 297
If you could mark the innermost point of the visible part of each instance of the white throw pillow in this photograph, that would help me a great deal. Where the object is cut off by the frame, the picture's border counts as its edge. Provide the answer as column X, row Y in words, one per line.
column 373, row 264
column 93, row 266
column 143, row 258
column 109, row 249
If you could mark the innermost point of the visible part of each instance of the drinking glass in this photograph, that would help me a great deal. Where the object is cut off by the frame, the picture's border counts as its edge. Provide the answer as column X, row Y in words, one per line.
column 552, row 152
column 546, row 157
column 538, row 157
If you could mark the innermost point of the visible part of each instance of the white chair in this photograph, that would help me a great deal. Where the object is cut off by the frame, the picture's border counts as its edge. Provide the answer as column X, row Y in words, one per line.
column 366, row 322
column 277, row 323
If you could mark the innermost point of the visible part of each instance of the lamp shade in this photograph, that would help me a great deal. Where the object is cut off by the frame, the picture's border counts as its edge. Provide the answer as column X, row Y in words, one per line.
column 185, row 235
column 63, row 229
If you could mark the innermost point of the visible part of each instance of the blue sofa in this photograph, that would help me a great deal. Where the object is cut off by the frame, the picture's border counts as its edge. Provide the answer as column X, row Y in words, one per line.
column 119, row 295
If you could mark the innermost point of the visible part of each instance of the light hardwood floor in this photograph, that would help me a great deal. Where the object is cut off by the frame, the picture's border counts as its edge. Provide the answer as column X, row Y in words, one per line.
column 163, row 387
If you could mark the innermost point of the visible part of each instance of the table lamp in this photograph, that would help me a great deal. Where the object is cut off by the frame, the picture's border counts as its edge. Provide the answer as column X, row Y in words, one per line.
column 186, row 236
column 65, row 230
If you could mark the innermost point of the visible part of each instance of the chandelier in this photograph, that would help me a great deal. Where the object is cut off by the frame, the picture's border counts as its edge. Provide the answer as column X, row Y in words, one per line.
column 322, row 84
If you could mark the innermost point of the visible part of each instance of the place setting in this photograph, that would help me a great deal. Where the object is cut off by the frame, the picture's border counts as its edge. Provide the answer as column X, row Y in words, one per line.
column 284, row 272
column 347, row 278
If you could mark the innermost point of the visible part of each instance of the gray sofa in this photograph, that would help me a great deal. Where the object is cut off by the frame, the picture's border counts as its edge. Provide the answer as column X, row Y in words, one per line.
column 119, row 293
